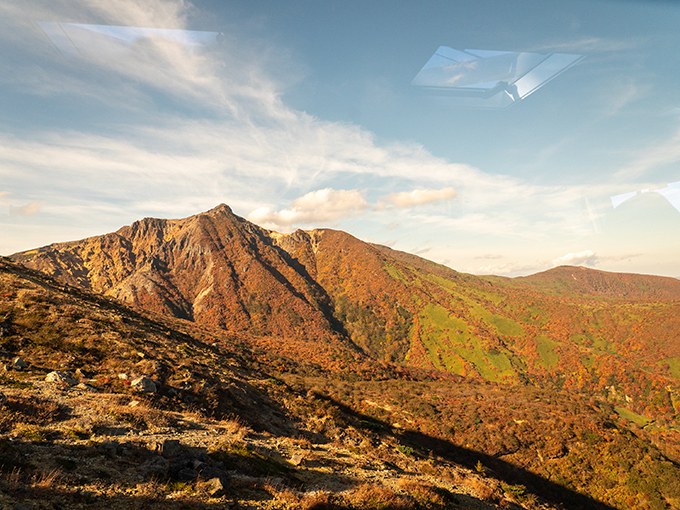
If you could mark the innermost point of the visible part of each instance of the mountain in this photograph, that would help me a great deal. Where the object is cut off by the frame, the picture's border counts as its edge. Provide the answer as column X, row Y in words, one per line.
column 341, row 303
column 565, row 384
column 214, row 268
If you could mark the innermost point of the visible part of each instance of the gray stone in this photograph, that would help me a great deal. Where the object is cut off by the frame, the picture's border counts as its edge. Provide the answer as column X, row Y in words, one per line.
column 86, row 387
column 216, row 487
column 109, row 446
column 208, row 472
column 19, row 363
column 156, row 466
column 187, row 474
column 61, row 378
column 170, row 448
column 144, row 384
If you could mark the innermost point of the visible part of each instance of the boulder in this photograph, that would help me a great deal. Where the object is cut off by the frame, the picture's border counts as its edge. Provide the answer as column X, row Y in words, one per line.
column 19, row 363
column 169, row 448
column 61, row 378
column 144, row 384
column 156, row 466
column 216, row 487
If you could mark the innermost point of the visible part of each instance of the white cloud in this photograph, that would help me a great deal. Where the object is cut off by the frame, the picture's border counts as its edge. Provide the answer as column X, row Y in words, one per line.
column 587, row 257
column 26, row 210
column 315, row 208
column 415, row 198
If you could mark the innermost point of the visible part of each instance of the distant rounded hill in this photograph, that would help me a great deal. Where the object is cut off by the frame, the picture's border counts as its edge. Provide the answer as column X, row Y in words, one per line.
column 583, row 280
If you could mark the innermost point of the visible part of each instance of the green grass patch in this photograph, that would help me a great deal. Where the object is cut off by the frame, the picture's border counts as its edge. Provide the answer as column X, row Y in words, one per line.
column 449, row 344
column 546, row 350
column 629, row 415
column 7, row 381
column 674, row 364
column 396, row 274
column 504, row 326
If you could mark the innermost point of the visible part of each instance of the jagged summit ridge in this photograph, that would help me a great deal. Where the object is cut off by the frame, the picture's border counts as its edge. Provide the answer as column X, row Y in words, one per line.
column 214, row 268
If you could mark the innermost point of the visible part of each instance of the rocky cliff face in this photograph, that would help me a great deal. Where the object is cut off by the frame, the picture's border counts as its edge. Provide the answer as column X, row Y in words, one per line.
column 213, row 268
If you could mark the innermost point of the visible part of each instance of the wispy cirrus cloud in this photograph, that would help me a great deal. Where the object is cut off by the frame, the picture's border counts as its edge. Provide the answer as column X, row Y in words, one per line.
column 660, row 154
column 26, row 210
column 417, row 197
column 200, row 128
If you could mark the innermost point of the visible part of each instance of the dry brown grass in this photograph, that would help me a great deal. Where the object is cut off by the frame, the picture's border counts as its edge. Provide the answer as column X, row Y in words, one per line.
column 370, row 496
column 423, row 492
column 486, row 489
column 235, row 427
column 46, row 479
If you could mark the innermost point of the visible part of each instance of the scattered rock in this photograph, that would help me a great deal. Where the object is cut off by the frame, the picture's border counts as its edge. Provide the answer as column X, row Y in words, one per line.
column 169, row 448
column 82, row 374
column 19, row 363
column 182, row 469
column 186, row 474
column 124, row 377
column 156, row 466
column 216, row 487
column 208, row 472
column 86, row 387
column 3, row 399
column 109, row 447
column 297, row 459
column 144, row 384
column 61, row 378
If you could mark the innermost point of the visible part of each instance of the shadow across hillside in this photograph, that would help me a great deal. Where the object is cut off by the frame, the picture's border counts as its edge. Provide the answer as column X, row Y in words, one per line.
column 503, row 471
column 129, row 473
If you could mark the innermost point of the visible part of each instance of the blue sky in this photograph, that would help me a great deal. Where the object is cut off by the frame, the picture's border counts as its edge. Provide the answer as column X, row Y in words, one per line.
column 305, row 117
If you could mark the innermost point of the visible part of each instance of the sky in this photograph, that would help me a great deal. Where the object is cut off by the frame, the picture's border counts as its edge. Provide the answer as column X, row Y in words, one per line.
column 305, row 114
